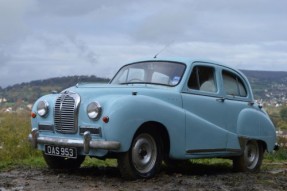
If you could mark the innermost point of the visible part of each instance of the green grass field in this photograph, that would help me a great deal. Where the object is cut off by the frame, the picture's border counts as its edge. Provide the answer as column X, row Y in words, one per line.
column 15, row 149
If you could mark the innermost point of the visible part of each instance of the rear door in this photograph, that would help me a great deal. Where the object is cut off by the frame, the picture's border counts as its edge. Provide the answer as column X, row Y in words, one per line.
column 237, row 98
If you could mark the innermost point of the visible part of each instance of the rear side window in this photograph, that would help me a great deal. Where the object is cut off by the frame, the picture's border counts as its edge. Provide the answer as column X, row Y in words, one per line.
column 233, row 85
column 202, row 78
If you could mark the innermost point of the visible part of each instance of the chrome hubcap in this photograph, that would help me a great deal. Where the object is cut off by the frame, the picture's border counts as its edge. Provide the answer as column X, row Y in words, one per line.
column 144, row 153
column 251, row 154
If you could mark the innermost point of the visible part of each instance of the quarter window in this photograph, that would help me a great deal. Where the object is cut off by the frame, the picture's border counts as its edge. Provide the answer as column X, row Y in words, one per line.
column 202, row 79
column 233, row 85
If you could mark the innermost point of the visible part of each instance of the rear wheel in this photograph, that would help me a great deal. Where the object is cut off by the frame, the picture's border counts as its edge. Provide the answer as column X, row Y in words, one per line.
column 55, row 162
column 144, row 157
column 251, row 159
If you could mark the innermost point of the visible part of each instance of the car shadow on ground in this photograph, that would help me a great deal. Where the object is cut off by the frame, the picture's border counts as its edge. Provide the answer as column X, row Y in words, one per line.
column 185, row 168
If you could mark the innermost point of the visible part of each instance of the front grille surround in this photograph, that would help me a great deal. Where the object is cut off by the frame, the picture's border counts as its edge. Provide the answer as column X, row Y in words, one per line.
column 66, row 112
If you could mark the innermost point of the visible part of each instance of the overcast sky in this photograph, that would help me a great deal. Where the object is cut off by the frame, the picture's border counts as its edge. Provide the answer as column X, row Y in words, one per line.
column 40, row 39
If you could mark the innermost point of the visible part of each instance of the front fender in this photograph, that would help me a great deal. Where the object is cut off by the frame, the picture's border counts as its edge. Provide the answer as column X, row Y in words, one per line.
column 50, row 98
column 128, row 113
column 256, row 124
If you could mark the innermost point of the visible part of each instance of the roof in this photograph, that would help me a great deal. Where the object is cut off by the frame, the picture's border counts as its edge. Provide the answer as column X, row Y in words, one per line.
column 186, row 60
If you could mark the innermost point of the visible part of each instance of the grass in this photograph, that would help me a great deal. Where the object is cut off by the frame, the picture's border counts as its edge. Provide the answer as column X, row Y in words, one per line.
column 15, row 150
column 14, row 146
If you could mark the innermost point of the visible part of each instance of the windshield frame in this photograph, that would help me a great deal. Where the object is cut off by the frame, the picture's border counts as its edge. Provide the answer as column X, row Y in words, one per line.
column 165, row 70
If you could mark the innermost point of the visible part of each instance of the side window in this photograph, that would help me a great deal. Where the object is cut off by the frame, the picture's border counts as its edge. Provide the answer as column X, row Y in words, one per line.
column 202, row 78
column 233, row 85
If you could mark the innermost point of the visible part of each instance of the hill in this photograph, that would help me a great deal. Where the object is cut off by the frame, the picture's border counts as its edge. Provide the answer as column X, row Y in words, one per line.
column 20, row 95
column 268, row 86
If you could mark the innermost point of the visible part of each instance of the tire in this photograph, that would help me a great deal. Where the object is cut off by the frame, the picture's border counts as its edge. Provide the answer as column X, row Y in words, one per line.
column 143, row 160
column 251, row 159
column 55, row 162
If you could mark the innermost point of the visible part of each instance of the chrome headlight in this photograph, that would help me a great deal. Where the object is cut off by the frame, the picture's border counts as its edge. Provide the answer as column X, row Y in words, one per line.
column 42, row 108
column 94, row 110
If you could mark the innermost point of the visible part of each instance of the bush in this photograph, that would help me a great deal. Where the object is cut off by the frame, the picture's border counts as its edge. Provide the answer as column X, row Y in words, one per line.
column 280, row 155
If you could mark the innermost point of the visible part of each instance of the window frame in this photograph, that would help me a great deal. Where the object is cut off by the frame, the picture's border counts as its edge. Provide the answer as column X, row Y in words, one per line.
column 188, row 89
column 239, row 79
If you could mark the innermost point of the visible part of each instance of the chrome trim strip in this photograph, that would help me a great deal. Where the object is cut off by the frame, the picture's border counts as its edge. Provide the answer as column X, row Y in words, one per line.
column 199, row 151
column 87, row 143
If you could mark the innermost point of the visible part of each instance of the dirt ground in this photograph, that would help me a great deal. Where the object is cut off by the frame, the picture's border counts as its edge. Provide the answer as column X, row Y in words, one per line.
column 201, row 177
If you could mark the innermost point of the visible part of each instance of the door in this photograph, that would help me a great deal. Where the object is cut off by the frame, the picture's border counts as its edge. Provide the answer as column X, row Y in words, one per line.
column 205, row 125
column 237, row 98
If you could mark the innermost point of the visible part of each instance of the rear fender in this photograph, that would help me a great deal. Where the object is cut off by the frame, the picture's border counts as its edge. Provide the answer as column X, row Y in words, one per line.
column 255, row 124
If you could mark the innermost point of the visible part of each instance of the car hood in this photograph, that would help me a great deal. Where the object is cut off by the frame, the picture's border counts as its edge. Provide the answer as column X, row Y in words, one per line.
column 104, row 89
column 108, row 92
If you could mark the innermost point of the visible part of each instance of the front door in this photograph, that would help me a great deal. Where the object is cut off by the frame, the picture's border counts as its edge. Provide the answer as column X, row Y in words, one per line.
column 205, row 117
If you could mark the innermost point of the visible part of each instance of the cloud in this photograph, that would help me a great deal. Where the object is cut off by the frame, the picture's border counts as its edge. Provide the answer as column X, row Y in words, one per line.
column 12, row 28
column 79, row 37
column 215, row 21
column 11, row 20
column 4, row 56
column 84, row 50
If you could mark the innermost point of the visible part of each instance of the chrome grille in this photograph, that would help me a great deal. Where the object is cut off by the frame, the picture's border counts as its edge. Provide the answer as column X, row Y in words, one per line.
column 66, row 112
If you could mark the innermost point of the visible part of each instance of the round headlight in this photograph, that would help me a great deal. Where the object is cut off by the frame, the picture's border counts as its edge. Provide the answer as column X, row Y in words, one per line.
column 42, row 108
column 94, row 110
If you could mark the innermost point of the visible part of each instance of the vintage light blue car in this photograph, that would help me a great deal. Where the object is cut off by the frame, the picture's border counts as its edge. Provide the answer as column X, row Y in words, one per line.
column 155, row 110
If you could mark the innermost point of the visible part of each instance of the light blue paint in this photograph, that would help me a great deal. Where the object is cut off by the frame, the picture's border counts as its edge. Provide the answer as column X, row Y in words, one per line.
column 199, row 124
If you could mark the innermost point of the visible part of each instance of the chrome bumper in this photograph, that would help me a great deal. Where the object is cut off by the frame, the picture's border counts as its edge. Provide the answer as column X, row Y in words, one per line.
column 87, row 143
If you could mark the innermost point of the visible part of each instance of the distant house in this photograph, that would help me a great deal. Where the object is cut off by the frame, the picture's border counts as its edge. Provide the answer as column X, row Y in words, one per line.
column 283, row 135
column 29, row 106
column 3, row 100
column 8, row 110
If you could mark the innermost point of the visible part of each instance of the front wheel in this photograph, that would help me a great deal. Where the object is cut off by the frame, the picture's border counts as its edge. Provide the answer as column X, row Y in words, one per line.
column 251, row 159
column 55, row 162
column 143, row 159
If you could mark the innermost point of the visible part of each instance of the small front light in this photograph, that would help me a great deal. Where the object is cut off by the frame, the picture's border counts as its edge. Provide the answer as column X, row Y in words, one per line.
column 33, row 115
column 42, row 108
column 106, row 119
column 94, row 110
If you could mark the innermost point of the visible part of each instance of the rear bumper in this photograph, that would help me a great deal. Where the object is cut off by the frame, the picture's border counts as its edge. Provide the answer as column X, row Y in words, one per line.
column 87, row 143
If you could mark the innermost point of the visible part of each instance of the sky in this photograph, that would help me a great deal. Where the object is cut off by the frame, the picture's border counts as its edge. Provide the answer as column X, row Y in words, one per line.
column 41, row 39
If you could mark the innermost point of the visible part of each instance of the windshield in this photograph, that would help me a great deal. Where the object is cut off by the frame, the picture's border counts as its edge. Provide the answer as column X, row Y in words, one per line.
column 161, row 73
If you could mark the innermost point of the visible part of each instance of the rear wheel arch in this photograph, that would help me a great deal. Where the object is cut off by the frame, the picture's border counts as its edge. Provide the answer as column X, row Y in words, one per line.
column 251, row 157
column 263, row 144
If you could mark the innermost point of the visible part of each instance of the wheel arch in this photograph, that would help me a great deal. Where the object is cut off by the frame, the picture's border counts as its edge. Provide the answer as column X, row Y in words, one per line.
column 251, row 157
column 160, row 130
column 244, row 140
column 264, row 145
column 131, row 164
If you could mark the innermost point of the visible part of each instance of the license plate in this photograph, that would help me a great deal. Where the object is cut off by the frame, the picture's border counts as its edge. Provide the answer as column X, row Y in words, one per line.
column 60, row 151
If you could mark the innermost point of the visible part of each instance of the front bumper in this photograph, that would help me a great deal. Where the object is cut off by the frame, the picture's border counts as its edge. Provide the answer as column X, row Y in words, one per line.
column 87, row 143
